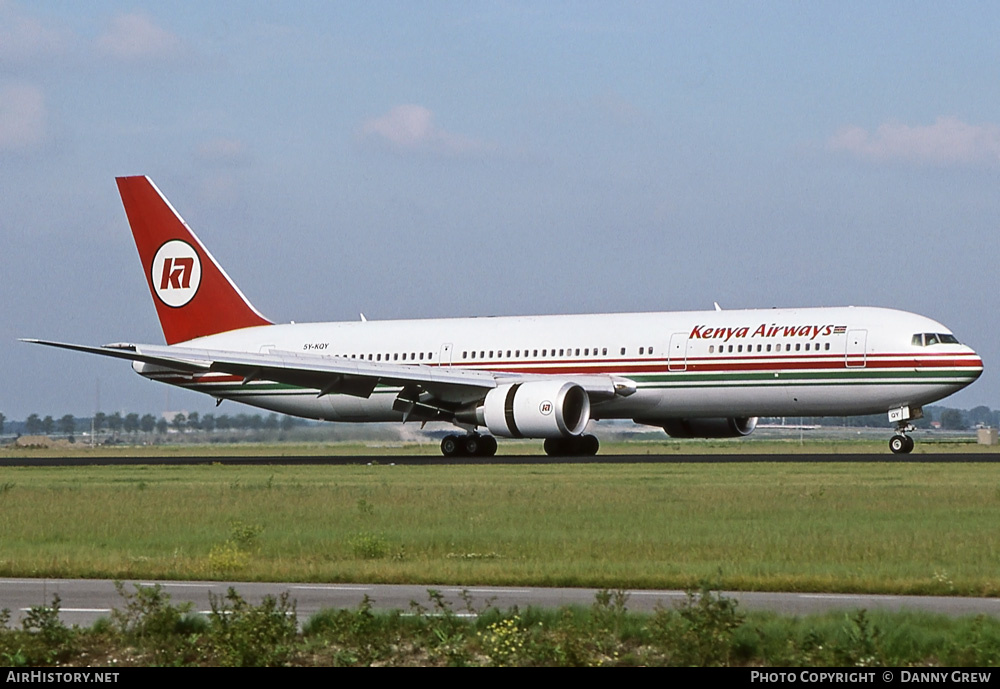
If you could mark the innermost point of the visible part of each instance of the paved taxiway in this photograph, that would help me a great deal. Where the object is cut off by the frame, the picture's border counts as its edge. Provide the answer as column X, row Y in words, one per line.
column 85, row 600
column 937, row 457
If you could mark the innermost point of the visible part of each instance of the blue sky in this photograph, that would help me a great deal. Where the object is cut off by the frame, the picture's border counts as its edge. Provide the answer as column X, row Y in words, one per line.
column 457, row 159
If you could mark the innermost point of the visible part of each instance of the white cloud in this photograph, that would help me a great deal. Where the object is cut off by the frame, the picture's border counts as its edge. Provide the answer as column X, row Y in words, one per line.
column 411, row 128
column 24, row 39
column 223, row 152
column 22, row 117
column 948, row 141
column 136, row 37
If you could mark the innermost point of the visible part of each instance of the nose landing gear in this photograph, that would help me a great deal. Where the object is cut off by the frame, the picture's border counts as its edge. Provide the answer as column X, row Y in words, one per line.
column 901, row 444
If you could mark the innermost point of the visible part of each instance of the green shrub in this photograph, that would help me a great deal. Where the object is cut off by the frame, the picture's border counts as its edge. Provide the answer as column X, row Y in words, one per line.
column 245, row 635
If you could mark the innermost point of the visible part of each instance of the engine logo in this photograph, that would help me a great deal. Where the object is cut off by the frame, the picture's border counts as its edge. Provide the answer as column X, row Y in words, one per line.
column 545, row 408
column 175, row 273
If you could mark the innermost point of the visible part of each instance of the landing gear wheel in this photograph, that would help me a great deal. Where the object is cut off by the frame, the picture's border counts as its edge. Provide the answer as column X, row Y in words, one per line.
column 901, row 444
column 487, row 446
column 449, row 446
column 554, row 447
column 581, row 445
column 472, row 445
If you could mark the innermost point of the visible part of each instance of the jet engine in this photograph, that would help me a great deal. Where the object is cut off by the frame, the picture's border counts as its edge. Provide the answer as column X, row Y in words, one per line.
column 537, row 409
column 709, row 428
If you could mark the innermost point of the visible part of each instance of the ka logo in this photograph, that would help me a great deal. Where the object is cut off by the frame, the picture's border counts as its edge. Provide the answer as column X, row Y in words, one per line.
column 175, row 273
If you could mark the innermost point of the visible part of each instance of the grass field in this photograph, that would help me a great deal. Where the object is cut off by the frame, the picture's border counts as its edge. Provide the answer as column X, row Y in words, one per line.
column 878, row 527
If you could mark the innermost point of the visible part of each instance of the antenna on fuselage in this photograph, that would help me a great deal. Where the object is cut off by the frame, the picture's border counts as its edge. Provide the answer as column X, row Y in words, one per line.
column 717, row 307
column 363, row 319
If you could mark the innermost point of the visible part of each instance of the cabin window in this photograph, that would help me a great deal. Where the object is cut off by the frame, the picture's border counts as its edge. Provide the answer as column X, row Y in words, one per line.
column 642, row 350
column 650, row 350
column 604, row 352
column 711, row 349
column 421, row 356
column 623, row 351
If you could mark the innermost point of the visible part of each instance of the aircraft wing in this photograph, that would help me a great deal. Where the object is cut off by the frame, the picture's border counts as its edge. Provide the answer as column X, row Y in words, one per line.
column 448, row 387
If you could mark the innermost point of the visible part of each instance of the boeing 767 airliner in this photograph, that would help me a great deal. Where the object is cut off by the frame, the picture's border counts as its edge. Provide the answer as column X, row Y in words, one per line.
column 706, row 374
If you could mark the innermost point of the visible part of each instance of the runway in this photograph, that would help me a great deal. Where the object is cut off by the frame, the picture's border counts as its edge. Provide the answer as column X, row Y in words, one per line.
column 433, row 460
column 83, row 601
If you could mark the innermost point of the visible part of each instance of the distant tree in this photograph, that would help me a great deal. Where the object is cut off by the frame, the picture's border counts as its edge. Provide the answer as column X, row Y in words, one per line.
column 48, row 425
column 161, row 426
column 271, row 422
column 100, row 421
column 33, row 425
column 208, row 422
column 287, row 422
column 179, row 422
column 256, row 422
column 951, row 420
column 223, row 422
column 982, row 415
column 147, row 423
column 194, row 421
column 131, row 423
column 2, row 419
column 67, row 424
column 115, row 422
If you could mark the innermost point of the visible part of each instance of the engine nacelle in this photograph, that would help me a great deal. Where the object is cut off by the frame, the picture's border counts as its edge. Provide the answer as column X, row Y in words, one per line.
column 710, row 428
column 542, row 409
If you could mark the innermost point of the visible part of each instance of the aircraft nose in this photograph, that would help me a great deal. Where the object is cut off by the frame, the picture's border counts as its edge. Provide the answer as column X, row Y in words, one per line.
column 975, row 364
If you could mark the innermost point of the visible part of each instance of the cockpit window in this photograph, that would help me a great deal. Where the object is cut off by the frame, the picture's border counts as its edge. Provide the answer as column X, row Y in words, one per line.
column 928, row 339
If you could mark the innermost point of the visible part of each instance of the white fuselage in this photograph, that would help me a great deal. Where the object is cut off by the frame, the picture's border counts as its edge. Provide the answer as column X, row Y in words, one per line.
column 776, row 362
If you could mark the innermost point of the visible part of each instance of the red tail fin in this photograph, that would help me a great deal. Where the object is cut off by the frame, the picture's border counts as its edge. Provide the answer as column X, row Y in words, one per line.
column 192, row 293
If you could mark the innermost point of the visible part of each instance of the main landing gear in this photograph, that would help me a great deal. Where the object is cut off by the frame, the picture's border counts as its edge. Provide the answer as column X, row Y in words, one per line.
column 471, row 445
column 475, row 445
column 580, row 445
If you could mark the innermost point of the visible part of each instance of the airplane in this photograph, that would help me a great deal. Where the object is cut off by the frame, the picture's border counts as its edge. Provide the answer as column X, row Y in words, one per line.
column 705, row 374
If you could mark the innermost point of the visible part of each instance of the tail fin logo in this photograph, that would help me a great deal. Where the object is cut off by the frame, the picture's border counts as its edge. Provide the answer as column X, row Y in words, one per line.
column 175, row 273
